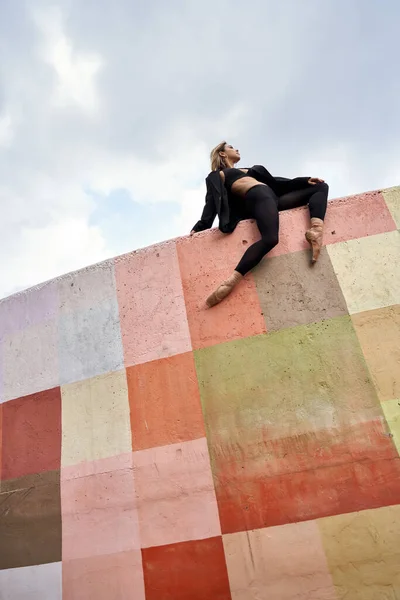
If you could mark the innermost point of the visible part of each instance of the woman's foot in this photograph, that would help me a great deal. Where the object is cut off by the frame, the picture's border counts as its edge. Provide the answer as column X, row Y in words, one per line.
column 314, row 237
column 224, row 289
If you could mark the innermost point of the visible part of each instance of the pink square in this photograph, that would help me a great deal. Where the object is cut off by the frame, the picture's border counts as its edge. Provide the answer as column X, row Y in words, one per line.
column 116, row 576
column 283, row 562
column 346, row 219
column 175, row 492
column 205, row 261
column 98, row 511
column 151, row 304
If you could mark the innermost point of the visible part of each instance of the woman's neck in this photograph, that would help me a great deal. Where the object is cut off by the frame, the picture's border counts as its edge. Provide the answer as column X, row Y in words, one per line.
column 229, row 164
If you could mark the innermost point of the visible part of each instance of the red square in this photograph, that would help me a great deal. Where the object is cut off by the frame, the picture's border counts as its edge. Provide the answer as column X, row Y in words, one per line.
column 32, row 434
column 165, row 402
column 195, row 570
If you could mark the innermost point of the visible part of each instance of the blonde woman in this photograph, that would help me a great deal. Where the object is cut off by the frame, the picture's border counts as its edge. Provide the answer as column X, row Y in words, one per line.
column 236, row 194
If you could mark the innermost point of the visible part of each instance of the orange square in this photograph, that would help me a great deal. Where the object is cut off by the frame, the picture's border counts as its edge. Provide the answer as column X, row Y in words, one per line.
column 165, row 402
column 205, row 261
column 195, row 570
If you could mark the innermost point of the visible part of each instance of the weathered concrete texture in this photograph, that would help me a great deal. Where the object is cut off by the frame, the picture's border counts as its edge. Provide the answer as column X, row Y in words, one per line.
column 30, row 520
column 285, row 563
column 90, row 342
column 363, row 553
column 195, row 570
column 391, row 409
column 170, row 452
column 31, row 434
column 175, row 494
column 312, row 293
column 29, row 309
column 346, row 219
column 165, row 402
column 287, row 414
column 205, row 261
column 87, row 288
column 379, row 334
column 151, row 305
column 30, row 360
column 95, row 415
column 113, row 576
column 99, row 510
column 392, row 197
column 368, row 270
column 39, row 582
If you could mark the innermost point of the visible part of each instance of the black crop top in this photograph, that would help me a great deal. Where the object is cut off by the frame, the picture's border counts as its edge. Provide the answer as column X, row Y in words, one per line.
column 232, row 175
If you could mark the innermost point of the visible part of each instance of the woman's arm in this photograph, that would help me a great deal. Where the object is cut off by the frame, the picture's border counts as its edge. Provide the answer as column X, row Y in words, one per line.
column 208, row 215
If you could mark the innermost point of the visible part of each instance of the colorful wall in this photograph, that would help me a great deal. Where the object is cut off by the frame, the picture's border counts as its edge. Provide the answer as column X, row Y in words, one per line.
column 152, row 449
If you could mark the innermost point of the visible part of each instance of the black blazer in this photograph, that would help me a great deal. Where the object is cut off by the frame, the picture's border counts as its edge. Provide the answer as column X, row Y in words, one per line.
column 217, row 197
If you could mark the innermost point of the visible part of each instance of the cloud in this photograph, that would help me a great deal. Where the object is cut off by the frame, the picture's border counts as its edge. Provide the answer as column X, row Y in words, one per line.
column 101, row 101
column 75, row 72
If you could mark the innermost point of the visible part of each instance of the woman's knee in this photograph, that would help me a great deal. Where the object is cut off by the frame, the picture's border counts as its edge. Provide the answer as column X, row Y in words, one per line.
column 323, row 187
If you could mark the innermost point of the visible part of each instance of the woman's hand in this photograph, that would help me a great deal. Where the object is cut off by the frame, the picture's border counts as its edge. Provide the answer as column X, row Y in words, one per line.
column 315, row 180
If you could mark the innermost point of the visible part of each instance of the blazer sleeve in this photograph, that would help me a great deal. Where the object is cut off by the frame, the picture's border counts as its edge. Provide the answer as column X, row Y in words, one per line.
column 209, row 212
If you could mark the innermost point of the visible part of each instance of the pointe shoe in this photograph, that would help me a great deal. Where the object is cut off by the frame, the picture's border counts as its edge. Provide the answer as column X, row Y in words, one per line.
column 314, row 237
column 224, row 289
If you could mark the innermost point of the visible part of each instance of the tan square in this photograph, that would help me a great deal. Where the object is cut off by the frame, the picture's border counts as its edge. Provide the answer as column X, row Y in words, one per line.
column 379, row 334
column 392, row 198
column 363, row 553
column 95, row 417
column 312, row 293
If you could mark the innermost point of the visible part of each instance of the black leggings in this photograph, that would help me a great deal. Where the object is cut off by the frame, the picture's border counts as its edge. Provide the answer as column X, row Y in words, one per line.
column 261, row 204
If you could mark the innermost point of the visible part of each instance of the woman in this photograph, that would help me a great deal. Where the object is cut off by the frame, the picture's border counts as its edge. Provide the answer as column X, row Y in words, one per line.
column 237, row 194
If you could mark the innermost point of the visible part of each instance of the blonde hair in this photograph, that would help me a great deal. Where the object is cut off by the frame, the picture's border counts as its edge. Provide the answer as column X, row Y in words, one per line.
column 217, row 162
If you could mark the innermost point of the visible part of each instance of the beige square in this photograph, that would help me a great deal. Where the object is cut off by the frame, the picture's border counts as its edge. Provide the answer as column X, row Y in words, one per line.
column 363, row 553
column 95, row 419
column 368, row 270
column 391, row 409
column 283, row 562
column 392, row 199
column 378, row 332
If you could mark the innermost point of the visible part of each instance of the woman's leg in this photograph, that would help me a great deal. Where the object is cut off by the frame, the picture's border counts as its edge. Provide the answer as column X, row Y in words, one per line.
column 316, row 196
column 262, row 206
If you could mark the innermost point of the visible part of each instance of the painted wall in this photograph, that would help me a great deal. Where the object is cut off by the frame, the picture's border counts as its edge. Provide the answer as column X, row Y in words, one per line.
column 153, row 449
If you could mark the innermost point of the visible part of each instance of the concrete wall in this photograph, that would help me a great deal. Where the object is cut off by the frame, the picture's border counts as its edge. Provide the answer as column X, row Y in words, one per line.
column 153, row 449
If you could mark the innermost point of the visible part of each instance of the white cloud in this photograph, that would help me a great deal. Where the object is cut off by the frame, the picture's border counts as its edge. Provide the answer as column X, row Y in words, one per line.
column 75, row 71
column 45, row 252
column 6, row 130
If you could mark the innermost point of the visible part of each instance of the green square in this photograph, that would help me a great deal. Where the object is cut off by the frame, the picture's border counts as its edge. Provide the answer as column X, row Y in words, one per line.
column 284, row 384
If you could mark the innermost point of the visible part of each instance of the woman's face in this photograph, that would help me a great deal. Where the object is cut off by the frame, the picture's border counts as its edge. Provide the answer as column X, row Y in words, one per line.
column 230, row 153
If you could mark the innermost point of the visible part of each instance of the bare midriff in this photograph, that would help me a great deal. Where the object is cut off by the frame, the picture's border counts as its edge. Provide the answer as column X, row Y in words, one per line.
column 243, row 185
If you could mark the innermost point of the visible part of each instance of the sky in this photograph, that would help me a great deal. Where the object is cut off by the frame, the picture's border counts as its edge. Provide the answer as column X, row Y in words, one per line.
column 108, row 112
